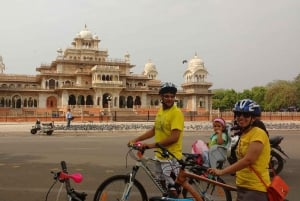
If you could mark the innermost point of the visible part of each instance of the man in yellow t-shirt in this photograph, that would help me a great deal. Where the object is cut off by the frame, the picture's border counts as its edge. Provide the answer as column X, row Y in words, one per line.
column 168, row 132
column 253, row 153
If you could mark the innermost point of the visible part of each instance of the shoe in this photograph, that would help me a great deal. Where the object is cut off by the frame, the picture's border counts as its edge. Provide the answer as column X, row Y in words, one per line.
column 172, row 194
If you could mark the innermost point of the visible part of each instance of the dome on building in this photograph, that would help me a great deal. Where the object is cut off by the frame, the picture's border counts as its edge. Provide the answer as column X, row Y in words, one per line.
column 150, row 70
column 85, row 34
column 195, row 71
column 149, row 67
column 195, row 64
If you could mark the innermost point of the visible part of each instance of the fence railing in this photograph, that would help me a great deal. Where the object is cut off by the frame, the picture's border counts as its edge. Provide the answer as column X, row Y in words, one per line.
column 132, row 116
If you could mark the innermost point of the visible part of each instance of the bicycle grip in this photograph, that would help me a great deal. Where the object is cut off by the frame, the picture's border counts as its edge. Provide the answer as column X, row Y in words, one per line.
column 63, row 166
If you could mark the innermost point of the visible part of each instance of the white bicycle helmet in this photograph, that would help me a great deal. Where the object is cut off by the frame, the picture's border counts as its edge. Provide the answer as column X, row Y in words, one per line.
column 168, row 87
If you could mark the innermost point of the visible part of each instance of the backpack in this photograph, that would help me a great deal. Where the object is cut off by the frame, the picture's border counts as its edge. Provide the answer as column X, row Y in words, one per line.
column 199, row 147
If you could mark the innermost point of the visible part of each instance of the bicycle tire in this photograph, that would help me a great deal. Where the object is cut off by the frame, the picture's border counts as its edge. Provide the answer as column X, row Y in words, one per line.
column 208, row 191
column 113, row 189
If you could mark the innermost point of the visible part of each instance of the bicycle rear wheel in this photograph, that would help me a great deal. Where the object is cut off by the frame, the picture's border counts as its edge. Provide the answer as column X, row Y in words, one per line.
column 208, row 191
column 116, row 188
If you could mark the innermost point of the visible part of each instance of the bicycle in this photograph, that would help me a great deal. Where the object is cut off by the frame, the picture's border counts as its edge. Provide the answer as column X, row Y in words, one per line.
column 216, row 192
column 64, row 178
column 127, row 187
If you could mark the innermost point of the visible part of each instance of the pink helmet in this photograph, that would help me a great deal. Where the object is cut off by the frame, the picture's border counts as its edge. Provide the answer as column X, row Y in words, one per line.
column 220, row 120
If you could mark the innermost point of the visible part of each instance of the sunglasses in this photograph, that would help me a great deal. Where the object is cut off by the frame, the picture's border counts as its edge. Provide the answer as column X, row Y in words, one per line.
column 245, row 114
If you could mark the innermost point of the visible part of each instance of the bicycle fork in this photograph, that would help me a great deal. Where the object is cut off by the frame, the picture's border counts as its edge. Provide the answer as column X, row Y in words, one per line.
column 128, row 187
column 130, row 183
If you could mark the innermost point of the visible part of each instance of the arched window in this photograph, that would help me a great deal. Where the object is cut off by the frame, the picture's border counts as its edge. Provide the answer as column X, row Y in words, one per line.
column 25, row 102
column 129, row 102
column 35, row 103
column 2, row 102
column 89, row 100
column 137, row 100
column 72, row 100
column 16, row 101
column 80, row 100
column 122, row 102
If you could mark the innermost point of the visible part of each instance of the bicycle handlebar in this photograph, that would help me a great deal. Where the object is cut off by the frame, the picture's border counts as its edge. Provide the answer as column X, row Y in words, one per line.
column 63, row 166
column 65, row 177
column 164, row 152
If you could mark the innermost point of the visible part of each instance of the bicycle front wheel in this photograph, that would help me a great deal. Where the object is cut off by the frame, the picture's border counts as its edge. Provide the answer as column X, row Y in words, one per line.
column 208, row 191
column 118, row 188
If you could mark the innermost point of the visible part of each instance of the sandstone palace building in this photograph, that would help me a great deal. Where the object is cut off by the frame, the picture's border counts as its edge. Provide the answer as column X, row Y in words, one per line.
column 84, row 78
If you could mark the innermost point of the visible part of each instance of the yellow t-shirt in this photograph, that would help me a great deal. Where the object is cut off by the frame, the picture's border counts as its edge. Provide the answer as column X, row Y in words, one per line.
column 246, row 177
column 166, row 121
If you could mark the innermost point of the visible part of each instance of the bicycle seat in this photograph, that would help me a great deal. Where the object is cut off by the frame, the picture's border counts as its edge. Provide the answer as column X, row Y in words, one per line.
column 190, row 155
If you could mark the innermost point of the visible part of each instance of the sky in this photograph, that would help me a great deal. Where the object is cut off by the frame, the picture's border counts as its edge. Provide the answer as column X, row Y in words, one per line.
column 242, row 43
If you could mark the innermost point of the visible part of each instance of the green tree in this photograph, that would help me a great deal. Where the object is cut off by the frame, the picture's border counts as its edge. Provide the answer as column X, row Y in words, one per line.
column 275, row 95
column 297, row 85
column 280, row 94
column 258, row 95
column 245, row 94
column 224, row 99
column 217, row 99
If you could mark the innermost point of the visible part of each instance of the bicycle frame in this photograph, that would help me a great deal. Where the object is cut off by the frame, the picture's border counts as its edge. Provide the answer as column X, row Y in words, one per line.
column 183, row 175
column 182, row 181
column 142, row 163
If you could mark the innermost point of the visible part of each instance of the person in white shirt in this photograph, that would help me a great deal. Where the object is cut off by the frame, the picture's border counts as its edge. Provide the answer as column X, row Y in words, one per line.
column 69, row 118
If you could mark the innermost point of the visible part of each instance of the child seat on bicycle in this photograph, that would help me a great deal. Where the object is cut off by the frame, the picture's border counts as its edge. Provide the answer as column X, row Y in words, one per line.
column 218, row 149
column 219, row 144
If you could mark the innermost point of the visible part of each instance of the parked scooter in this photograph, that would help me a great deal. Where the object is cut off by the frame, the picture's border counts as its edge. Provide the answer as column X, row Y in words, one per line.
column 47, row 128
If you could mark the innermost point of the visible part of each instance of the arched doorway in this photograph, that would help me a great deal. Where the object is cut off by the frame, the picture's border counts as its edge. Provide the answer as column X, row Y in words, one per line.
column 16, row 101
column 51, row 102
column 106, row 99
column 122, row 102
column 89, row 100
column 80, row 100
column 129, row 102
column 72, row 100
column 137, row 101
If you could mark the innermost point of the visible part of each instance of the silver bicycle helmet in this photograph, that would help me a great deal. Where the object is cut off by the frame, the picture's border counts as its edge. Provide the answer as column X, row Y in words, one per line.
column 168, row 87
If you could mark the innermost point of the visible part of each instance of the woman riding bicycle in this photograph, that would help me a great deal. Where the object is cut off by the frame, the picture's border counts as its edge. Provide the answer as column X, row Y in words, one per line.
column 253, row 153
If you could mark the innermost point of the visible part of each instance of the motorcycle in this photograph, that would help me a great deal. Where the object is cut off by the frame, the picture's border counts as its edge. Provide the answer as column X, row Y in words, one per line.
column 47, row 128
column 277, row 155
column 277, row 159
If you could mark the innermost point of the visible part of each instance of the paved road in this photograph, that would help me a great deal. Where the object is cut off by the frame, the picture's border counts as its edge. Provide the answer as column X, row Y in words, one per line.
column 26, row 161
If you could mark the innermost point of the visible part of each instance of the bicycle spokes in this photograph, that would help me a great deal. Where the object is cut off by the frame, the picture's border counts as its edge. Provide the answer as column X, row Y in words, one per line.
column 103, row 196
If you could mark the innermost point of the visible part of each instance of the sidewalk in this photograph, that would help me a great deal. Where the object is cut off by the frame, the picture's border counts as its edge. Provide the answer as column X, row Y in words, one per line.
column 132, row 126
